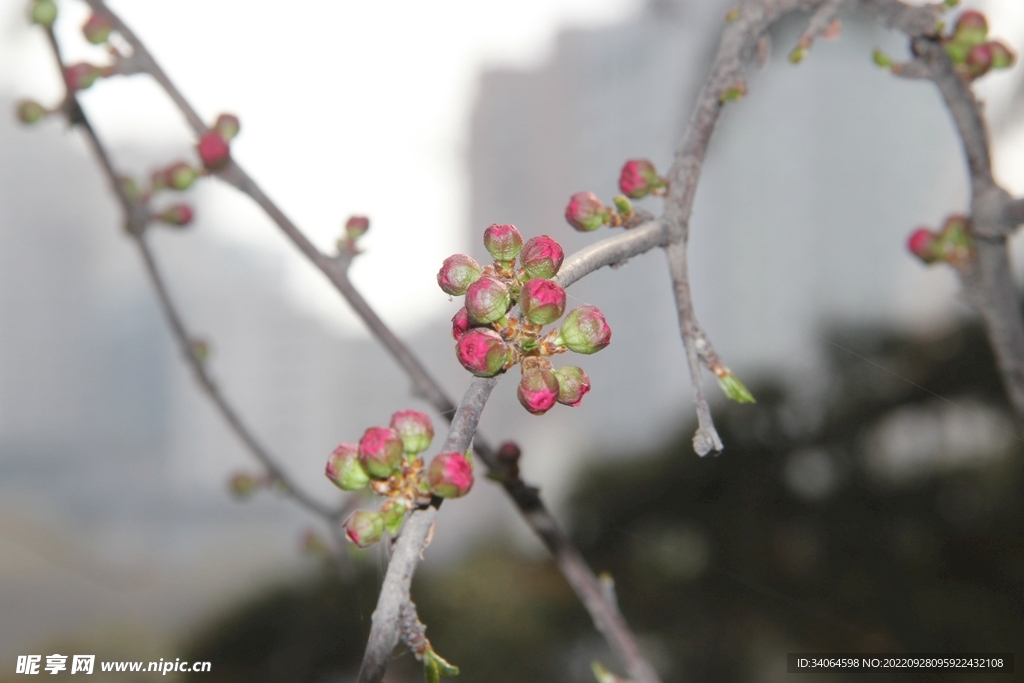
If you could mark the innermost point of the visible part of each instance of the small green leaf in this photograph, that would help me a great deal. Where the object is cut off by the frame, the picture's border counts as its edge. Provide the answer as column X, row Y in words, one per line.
column 602, row 674
column 622, row 205
column 735, row 390
column 435, row 666
column 393, row 519
column 732, row 94
column 797, row 55
column 881, row 59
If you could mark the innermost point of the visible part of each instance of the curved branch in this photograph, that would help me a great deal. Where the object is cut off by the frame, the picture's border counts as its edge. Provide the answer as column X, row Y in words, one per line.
column 612, row 251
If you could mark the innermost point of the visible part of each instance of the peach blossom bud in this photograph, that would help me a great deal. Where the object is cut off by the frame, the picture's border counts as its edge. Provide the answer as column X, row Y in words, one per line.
column 542, row 301
column 585, row 212
column 573, row 384
column 639, row 178
column 345, row 469
column 541, row 257
column 364, row 527
column 30, row 111
column 487, row 300
column 81, row 75
column 450, row 475
column 1002, row 56
column 356, row 227
column 509, row 452
column 380, row 451
column 227, row 125
column 538, row 387
column 585, row 330
column 97, row 28
column 213, row 150
column 415, row 430
column 503, row 242
column 457, row 273
column 178, row 215
column 971, row 28
column 460, row 323
column 923, row 244
column 979, row 60
column 483, row 352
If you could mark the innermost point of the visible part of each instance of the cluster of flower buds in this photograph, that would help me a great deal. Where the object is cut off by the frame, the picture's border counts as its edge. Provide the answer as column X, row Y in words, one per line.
column 953, row 244
column 489, row 341
column 387, row 461
column 639, row 178
column 355, row 227
column 971, row 51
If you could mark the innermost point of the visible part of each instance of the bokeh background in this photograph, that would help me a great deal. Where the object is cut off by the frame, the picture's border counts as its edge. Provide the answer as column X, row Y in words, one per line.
column 869, row 501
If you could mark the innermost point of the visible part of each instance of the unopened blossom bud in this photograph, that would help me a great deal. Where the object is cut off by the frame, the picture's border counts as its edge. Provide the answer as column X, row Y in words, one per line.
column 380, row 451
column 414, row 428
column 585, row 330
column 541, row 257
column 585, row 212
column 345, row 469
column 503, row 242
column 243, row 485
column 573, row 384
column 457, row 273
column 971, row 28
column 542, row 301
column 227, row 125
column 483, row 352
column 487, row 300
column 509, row 452
column 979, row 60
column 639, row 178
column 364, row 527
column 81, row 75
column 179, row 214
column 1002, row 56
column 460, row 323
column 538, row 387
column 44, row 12
column 213, row 150
column 356, row 227
column 180, row 176
column 97, row 28
column 30, row 111
column 923, row 243
column 450, row 475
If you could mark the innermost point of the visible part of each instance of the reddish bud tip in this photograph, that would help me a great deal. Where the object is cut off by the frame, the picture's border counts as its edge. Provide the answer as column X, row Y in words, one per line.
column 414, row 428
column 971, row 28
column 585, row 212
column 460, row 324
column 356, row 227
column 450, row 475
column 457, row 273
column 380, row 451
column 483, row 352
column 573, row 384
column 542, row 301
column 345, row 470
column 538, row 387
column 213, row 150
column 30, row 111
column 81, row 75
column 509, row 452
column 364, row 527
column 227, row 125
column 541, row 257
column 97, row 28
column 503, row 242
column 979, row 60
column 585, row 330
column 487, row 300
column 922, row 244
column 179, row 214
column 639, row 178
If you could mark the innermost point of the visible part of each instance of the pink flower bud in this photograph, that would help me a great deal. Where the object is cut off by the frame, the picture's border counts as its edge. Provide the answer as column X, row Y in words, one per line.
column 585, row 330
column 585, row 212
column 542, row 301
column 227, row 125
column 30, row 111
column 177, row 176
column 356, row 227
column 923, row 244
column 460, row 324
column 97, row 28
column 457, row 273
column 82, row 75
column 364, row 527
column 541, row 257
column 44, row 12
column 538, row 387
column 639, row 178
column 483, row 352
column 345, row 470
column 573, row 384
column 213, row 150
column 380, row 451
column 979, row 60
column 487, row 300
column 450, row 475
column 414, row 428
column 1002, row 56
column 971, row 28
column 179, row 214
column 503, row 242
